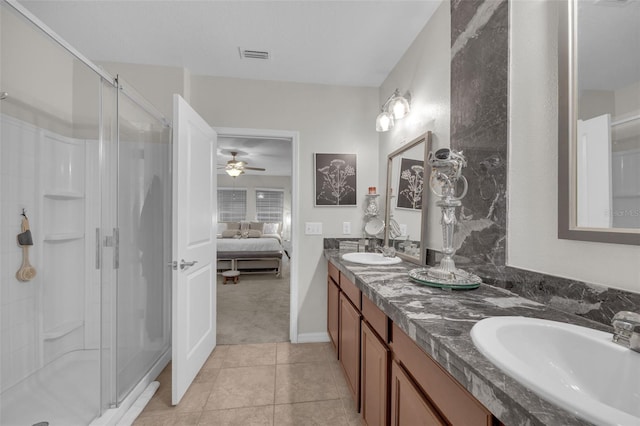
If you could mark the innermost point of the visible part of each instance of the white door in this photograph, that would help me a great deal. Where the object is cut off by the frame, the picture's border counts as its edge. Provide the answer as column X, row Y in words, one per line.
column 594, row 172
column 194, row 246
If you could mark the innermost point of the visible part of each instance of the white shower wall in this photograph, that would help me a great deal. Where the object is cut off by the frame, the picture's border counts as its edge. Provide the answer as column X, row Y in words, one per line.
column 19, row 325
column 58, row 311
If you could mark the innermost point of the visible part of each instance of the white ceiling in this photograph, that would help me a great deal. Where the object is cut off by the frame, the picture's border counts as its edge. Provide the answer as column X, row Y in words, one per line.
column 351, row 43
column 354, row 43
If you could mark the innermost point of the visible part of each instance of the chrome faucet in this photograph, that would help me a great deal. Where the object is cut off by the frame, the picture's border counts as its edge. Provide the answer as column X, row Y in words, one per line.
column 626, row 329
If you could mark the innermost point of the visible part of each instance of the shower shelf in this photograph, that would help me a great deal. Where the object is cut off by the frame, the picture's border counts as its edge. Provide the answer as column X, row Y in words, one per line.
column 64, row 195
column 71, row 236
column 62, row 330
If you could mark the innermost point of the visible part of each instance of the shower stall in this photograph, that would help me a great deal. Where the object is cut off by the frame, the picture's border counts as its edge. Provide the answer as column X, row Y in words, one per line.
column 87, row 161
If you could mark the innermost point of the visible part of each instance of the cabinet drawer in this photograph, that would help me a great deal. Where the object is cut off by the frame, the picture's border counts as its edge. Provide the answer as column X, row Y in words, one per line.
column 352, row 292
column 453, row 401
column 334, row 273
column 376, row 318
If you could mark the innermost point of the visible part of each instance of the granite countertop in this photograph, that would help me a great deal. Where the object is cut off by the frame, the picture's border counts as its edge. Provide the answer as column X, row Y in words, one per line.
column 440, row 321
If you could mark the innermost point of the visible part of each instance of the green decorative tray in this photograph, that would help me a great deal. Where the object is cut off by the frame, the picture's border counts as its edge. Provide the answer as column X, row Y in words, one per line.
column 462, row 280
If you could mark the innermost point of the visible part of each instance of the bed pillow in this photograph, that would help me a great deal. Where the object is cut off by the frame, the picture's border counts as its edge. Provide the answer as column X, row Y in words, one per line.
column 271, row 228
column 256, row 226
column 233, row 225
column 254, row 233
column 230, row 233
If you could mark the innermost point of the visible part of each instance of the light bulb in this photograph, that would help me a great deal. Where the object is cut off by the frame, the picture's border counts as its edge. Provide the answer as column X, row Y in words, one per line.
column 399, row 107
column 384, row 122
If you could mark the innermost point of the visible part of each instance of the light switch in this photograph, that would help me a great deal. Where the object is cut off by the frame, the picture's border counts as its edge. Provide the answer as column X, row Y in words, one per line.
column 313, row 228
column 346, row 228
column 403, row 229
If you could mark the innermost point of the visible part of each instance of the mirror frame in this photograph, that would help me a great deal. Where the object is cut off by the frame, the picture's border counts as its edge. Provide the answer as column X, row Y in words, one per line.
column 426, row 138
column 567, row 109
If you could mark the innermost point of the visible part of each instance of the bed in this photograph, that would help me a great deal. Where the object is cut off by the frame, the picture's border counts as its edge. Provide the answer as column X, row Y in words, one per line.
column 248, row 249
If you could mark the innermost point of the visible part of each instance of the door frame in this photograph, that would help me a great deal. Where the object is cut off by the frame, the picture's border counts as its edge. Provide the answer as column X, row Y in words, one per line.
column 294, row 137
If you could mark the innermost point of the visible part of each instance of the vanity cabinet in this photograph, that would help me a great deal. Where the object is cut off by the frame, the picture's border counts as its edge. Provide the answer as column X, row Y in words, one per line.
column 393, row 381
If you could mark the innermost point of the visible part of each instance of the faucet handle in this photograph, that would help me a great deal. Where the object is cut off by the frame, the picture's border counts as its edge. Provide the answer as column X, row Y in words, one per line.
column 626, row 326
column 626, row 320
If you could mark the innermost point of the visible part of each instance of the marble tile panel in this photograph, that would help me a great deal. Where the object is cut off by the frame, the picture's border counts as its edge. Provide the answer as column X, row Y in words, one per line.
column 217, row 357
column 288, row 353
column 249, row 416
column 195, row 398
column 351, row 412
column 304, row 382
column 242, row 387
column 177, row 419
column 250, row 355
column 318, row 413
column 206, row 375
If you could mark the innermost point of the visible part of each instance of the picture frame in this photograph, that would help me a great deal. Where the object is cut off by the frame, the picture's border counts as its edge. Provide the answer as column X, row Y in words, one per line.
column 410, row 184
column 335, row 179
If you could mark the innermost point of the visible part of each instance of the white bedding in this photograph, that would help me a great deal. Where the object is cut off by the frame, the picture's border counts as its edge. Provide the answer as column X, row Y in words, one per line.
column 249, row 244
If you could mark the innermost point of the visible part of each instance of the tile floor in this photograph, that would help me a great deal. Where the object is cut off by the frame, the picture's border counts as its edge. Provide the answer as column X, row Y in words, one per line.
column 259, row 384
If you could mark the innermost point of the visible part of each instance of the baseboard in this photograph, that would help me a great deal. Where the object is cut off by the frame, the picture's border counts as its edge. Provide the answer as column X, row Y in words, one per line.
column 322, row 336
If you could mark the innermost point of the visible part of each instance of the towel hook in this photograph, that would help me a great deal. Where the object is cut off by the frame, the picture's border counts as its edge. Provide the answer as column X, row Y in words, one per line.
column 24, row 212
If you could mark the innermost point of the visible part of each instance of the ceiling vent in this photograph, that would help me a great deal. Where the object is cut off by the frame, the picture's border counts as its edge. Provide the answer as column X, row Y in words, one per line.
column 253, row 54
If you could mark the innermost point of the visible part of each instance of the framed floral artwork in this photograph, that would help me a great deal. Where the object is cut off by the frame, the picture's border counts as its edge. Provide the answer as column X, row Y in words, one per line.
column 410, row 184
column 335, row 179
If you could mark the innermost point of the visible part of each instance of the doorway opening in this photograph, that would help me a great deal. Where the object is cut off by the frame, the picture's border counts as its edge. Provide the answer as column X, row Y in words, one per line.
column 260, row 305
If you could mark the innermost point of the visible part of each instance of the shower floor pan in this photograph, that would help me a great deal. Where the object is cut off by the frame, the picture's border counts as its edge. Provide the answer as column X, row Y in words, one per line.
column 64, row 392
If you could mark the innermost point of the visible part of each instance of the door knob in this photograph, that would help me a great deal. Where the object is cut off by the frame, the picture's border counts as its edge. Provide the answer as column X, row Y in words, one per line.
column 185, row 265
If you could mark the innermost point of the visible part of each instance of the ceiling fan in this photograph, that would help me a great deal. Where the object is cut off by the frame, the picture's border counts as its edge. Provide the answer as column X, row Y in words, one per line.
column 235, row 168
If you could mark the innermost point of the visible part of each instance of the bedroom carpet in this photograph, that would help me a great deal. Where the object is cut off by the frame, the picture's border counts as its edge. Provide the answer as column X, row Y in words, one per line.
column 256, row 310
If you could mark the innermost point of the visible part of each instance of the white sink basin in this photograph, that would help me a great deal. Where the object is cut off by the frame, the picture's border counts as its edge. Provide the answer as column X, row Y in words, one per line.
column 370, row 258
column 577, row 368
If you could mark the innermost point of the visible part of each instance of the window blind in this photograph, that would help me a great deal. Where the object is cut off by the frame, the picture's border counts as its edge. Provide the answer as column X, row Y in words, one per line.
column 269, row 205
column 232, row 205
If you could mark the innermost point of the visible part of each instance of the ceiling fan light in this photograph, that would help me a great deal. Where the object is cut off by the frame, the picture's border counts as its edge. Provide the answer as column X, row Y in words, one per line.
column 384, row 122
column 233, row 172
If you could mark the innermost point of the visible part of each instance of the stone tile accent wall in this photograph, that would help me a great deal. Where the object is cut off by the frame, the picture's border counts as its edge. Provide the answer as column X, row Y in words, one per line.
column 479, row 114
column 479, row 84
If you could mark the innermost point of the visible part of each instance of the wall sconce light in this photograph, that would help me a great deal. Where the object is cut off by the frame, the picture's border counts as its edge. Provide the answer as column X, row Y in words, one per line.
column 396, row 107
column 234, row 172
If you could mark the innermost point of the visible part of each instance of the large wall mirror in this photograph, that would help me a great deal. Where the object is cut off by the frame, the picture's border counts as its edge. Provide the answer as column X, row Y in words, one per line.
column 599, row 121
column 406, row 199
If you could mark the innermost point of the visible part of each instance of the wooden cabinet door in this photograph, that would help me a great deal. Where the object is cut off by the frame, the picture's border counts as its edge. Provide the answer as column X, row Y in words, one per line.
column 333, row 312
column 408, row 406
column 349, row 346
column 374, row 383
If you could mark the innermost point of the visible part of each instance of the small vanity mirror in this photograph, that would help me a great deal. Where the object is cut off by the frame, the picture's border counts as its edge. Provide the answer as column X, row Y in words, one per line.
column 599, row 121
column 406, row 199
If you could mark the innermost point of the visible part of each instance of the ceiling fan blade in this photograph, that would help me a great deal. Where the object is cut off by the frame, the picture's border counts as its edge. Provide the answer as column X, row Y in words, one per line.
column 259, row 169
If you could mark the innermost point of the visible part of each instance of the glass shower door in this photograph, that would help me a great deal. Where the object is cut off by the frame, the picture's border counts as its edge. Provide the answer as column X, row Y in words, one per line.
column 50, row 148
column 144, row 197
